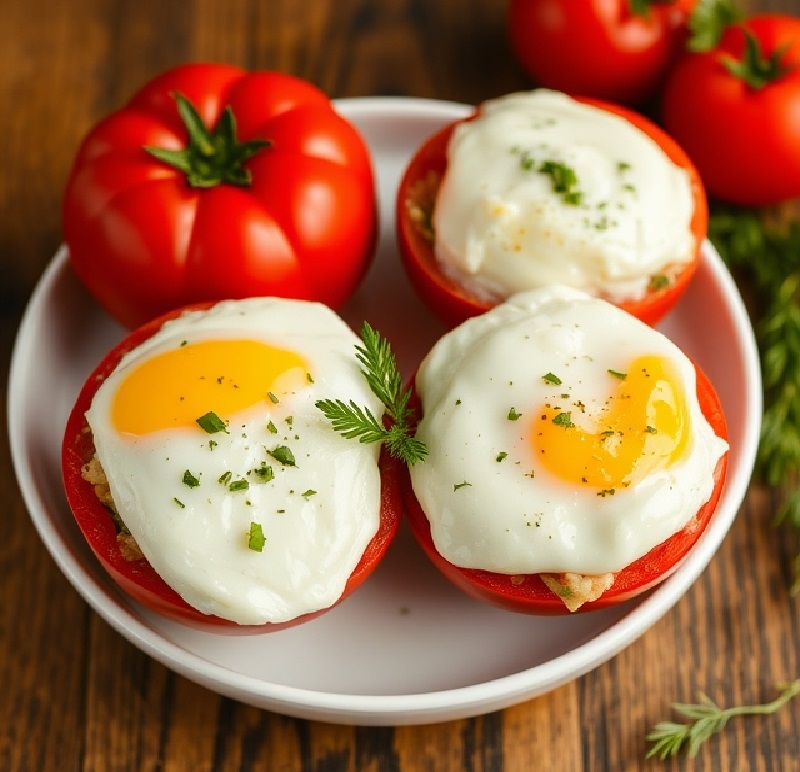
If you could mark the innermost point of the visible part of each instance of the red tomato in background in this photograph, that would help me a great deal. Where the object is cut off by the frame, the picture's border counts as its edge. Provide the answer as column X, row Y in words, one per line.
column 452, row 302
column 744, row 138
column 137, row 578
column 607, row 49
column 527, row 593
column 295, row 217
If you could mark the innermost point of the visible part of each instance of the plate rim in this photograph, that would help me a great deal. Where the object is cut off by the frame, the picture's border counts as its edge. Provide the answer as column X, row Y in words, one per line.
column 417, row 707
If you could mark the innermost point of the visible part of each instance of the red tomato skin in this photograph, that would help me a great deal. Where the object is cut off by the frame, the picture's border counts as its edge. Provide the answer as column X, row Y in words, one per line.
column 744, row 142
column 144, row 241
column 527, row 593
column 138, row 578
column 453, row 304
column 598, row 48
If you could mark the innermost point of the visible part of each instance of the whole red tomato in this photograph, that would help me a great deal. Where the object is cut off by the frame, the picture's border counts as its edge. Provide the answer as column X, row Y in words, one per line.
column 214, row 182
column 137, row 577
column 736, row 111
column 617, row 50
column 453, row 302
column 528, row 593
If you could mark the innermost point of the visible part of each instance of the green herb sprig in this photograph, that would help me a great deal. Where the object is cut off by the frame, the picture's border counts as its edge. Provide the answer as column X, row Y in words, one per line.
column 762, row 247
column 379, row 368
column 707, row 719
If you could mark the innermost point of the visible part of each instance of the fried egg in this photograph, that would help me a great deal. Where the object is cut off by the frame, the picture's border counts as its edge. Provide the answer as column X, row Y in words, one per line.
column 231, row 481
column 563, row 435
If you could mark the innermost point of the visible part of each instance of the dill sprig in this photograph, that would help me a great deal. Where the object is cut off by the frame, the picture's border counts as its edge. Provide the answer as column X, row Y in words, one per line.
column 762, row 247
column 379, row 368
column 707, row 719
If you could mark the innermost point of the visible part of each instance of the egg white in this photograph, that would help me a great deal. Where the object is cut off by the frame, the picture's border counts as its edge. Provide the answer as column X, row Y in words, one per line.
column 502, row 228
column 317, row 516
column 489, row 503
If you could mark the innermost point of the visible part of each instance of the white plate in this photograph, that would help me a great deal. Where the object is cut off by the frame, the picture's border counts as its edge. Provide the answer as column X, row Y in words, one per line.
column 407, row 647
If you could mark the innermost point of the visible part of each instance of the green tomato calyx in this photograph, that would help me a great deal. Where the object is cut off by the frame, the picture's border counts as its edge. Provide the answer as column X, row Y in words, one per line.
column 211, row 156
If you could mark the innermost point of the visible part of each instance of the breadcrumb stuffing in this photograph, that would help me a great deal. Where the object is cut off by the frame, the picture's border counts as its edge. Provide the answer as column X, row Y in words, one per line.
column 93, row 473
column 577, row 589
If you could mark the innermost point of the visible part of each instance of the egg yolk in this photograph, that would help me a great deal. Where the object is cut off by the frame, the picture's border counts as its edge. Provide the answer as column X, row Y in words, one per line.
column 642, row 427
column 175, row 388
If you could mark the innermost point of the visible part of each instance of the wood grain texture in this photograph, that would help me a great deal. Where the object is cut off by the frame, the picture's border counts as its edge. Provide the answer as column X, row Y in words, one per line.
column 74, row 695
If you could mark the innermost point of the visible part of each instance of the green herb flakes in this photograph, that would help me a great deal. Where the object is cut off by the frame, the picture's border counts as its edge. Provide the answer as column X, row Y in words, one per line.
column 190, row 480
column 211, row 423
column 283, row 455
column 255, row 537
column 564, row 420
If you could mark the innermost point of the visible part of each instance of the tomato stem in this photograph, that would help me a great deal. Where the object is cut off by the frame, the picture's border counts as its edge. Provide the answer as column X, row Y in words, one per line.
column 642, row 7
column 211, row 157
column 754, row 68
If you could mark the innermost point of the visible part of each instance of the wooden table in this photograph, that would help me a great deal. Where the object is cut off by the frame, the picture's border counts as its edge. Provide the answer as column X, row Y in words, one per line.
column 74, row 695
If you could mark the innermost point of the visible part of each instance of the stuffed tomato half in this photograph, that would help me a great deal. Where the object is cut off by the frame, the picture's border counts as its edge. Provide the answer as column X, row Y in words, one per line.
column 537, row 188
column 574, row 454
column 206, row 481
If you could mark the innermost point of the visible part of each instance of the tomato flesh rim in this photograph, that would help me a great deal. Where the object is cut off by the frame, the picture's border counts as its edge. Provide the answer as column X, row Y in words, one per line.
column 138, row 578
column 527, row 593
column 453, row 302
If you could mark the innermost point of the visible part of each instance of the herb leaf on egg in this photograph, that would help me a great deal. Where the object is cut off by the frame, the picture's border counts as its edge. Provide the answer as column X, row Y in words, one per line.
column 255, row 537
column 379, row 368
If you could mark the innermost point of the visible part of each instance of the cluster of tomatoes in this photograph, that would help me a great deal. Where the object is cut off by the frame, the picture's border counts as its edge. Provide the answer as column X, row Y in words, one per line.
column 200, row 188
column 726, row 89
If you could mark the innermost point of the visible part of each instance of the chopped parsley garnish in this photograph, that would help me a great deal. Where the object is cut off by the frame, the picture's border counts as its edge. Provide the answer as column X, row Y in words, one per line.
column 500, row 456
column 513, row 415
column 658, row 281
column 238, row 485
column 309, row 378
column 264, row 473
column 272, row 398
column 283, row 455
column 225, row 478
column 623, row 166
column 190, row 480
column 617, row 374
column 464, row 484
column 551, row 378
column 211, row 423
column 651, row 429
column 179, row 503
column 563, row 180
column 255, row 537
column 272, row 428
column 563, row 419
column 309, row 493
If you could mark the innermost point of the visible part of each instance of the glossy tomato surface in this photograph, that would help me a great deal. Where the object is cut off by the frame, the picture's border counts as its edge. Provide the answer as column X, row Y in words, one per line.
column 452, row 301
column 744, row 137
column 609, row 49
column 137, row 578
column 527, row 593
column 293, row 214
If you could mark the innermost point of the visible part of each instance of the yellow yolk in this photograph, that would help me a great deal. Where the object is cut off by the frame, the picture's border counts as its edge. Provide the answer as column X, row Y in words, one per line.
column 643, row 427
column 176, row 387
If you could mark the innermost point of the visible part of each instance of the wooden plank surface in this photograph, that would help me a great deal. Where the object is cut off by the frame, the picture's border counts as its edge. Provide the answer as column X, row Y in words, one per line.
column 74, row 695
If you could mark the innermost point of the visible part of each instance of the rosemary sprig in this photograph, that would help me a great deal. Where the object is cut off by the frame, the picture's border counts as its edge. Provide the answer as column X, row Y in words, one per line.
column 762, row 247
column 379, row 368
column 707, row 719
